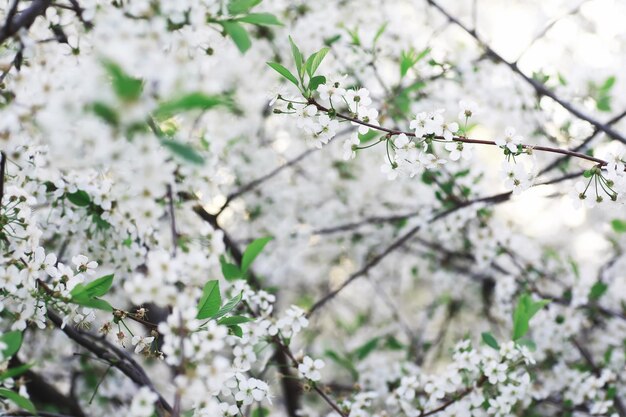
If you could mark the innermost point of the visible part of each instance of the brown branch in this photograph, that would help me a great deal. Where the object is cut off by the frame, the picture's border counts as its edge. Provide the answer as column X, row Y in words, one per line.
column 42, row 392
column 393, row 132
column 110, row 353
column 493, row 199
column 583, row 145
column 3, row 162
column 23, row 19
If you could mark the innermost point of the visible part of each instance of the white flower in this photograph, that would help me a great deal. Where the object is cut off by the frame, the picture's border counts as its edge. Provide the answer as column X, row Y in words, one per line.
column 366, row 115
column 251, row 390
column 449, row 129
column 358, row 98
column 515, row 177
column 419, row 124
column 496, row 372
column 434, row 124
column 580, row 196
column 325, row 129
column 293, row 322
column 510, row 140
column 143, row 403
column 430, row 161
column 401, row 140
column 390, row 171
column 459, row 150
column 468, row 109
column 332, row 88
column 84, row 265
column 142, row 343
column 310, row 368
column 349, row 147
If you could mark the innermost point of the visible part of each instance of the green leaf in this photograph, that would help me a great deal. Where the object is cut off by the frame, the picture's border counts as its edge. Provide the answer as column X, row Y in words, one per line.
column 315, row 60
column 241, row 6
column 532, row 346
column 236, row 330
column 490, row 340
column 598, row 290
column 79, row 198
column 363, row 351
column 229, row 321
column 260, row 412
column 524, row 311
column 238, row 34
column 608, row 84
column 229, row 306
column 619, row 226
column 604, row 103
column 96, row 288
column 409, row 58
column 297, row 57
column 18, row 370
column 316, row 82
column 344, row 362
column 126, row 87
column 192, row 101
column 210, row 301
column 252, row 251
column 230, row 271
column 20, row 401
column 380, row 32
column 13, row 342
column 263, row 19
column 284, row 72
column 96, row 303
column 183, row 151
column 106, row 113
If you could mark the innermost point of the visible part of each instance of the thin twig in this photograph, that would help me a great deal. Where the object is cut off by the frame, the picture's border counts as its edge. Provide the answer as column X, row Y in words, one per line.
column 540, row 88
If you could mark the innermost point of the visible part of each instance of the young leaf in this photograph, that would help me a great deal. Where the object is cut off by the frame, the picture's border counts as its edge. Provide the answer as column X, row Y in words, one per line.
column 524, row 311
column 20, row 401
column 263, row 19
column 236, row 330
column 598, row 290
column 229, row 306
column 260, row 412
column 125, row 87
column 315, row 60
column 619, row 226
column 380, row 32
column 192, row 101
column 284, row 72
column 211, row 300
column 13, row 342
column 183, row 150
column 230, row 271
column 18, row 370
column 96, row 288
column 106, row 113
column 241, row 6
column 490, row 340
column 79, row 198
column 96, row 303
column 238, row 34
column 229, row 321
column 344, row 362
column 316, row 82
column 252, row 251
column 363, row 351
column 297, row 57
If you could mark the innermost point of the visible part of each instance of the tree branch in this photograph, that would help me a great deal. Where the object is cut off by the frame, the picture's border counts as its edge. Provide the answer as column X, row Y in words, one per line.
column 539, row 87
